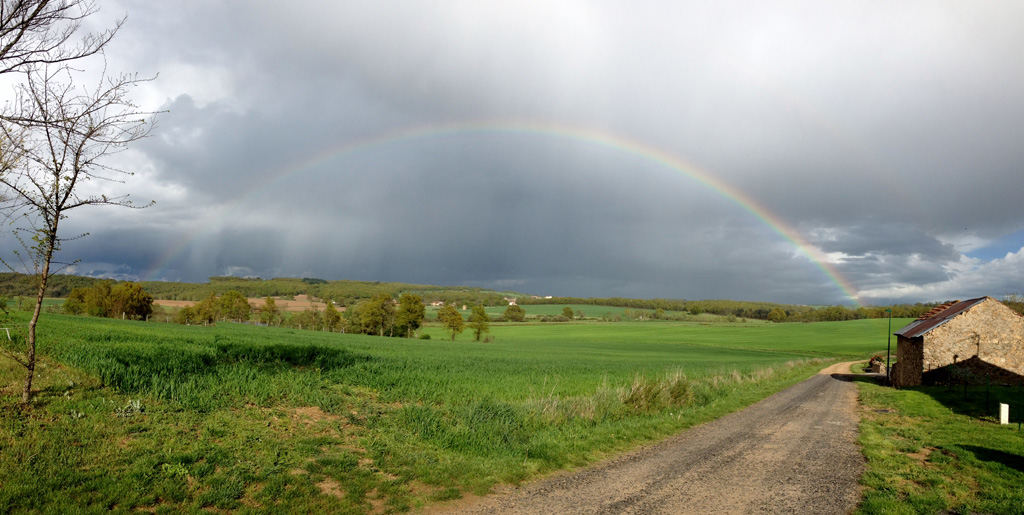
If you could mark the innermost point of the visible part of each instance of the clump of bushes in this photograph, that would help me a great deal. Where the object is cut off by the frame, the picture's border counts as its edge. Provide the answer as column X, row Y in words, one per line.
column 554, row 318
column 110, row 300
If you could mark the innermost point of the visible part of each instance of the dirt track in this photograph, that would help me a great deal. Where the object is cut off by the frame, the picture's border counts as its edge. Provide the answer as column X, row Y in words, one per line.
column 794, row 452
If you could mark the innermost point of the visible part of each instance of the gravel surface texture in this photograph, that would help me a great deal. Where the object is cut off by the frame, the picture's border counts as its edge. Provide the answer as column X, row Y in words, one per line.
column 794, row 452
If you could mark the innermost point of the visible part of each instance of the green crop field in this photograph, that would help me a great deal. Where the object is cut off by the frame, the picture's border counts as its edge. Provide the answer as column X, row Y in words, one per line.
column 853, row 338
column 588, row 311
column 166, row 418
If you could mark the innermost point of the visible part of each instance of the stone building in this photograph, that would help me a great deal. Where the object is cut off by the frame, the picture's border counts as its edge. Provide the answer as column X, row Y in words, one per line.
column 981, row 335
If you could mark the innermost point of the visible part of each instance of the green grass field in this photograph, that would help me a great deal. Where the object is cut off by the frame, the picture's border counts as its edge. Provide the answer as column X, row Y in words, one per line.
column 589, row 311
column 931, row 451
column 167, row 418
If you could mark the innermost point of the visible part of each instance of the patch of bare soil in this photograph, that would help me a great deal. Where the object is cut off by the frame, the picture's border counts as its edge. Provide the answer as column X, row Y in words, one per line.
column 794, row 452
column 331, row 487
column 300, row 303
column 312, row 414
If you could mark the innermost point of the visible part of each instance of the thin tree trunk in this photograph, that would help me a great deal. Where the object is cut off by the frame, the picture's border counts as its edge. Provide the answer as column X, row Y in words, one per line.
column 30, row 362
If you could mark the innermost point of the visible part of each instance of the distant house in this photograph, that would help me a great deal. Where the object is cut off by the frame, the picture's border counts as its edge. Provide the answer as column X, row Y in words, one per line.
column 981, row 335
column 437, row 303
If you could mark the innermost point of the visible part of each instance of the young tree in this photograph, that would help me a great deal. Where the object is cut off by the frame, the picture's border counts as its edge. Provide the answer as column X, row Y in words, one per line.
column 410, row 315
column 269, row 313
column 354, row 317
column 99, row 299
column 479, row 321
column 776, row 315
column 234, row 306
column 568, row 313
column 206, row 311
column 55, row 136
column 74, row 304
column 332, row 319
column 129, row 300
column 185, row 316
column 451, row 319
column 378, row 314
column 515, row 313
column 311, row 319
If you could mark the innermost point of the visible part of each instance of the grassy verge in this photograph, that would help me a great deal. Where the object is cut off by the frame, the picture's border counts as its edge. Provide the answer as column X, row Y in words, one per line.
column 168, row 419
column 86, row 448
column 929, row 451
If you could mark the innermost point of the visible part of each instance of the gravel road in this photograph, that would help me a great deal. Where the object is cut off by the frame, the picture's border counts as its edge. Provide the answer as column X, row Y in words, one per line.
column 794, row 452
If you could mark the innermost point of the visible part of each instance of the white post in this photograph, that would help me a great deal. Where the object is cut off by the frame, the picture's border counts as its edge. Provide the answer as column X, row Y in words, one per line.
column 1004, row 413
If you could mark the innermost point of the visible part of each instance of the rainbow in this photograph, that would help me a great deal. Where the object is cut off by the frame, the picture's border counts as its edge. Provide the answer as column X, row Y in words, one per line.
column 581, row 134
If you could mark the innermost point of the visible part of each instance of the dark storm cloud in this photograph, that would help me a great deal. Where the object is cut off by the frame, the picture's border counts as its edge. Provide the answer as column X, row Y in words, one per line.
column 884, row 135
column 881, row 237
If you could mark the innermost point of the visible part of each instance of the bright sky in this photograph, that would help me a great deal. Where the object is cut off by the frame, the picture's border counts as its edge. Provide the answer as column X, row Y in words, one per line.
column 794, row 151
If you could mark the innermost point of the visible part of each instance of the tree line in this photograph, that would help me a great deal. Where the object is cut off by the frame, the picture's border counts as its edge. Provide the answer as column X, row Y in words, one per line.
column 380, row 315
column 97, row 297
column 656, row 308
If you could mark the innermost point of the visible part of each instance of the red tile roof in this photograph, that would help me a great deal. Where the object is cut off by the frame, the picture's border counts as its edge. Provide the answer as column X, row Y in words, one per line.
column 937, row 309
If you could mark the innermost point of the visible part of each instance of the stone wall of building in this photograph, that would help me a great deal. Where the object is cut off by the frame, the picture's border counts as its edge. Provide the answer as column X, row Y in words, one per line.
column 989, row 330
column 908, row 367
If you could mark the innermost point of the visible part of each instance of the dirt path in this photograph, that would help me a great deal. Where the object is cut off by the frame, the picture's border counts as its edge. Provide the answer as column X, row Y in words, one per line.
column 794, row 452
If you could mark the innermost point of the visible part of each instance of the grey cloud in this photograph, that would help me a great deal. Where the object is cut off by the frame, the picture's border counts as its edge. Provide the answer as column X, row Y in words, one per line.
column 885, row 133
column 881, row 237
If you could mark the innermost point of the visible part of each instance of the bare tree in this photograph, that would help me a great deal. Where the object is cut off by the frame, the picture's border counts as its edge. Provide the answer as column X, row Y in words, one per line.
column 55, row 138
column 41, row 32
column 60, row 145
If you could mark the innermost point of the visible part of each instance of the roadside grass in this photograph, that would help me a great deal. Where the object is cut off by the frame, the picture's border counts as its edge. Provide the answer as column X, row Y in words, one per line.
column 928, row 451
column 160, row 418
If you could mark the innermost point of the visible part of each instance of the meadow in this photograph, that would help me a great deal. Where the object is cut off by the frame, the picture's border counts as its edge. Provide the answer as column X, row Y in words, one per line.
column 589, row 311
column 137, row 416
column 931, row 449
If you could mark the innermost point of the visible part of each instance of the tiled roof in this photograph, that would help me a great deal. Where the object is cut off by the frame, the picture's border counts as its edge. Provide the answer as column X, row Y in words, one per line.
column 937, row 316
column 937, row 309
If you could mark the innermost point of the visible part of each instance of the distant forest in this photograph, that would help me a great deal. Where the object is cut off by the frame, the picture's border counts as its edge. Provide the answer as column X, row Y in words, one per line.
column 348, row 293
column 748, row 309
column 343, row 293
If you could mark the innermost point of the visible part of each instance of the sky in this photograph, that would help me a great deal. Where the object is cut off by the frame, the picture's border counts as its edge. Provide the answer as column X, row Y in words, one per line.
column 802, row 152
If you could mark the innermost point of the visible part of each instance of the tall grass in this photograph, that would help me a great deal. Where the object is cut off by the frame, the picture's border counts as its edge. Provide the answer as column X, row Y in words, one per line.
column 197, row 368
column 446, row 387
column 646, row 395
column 459, row 415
